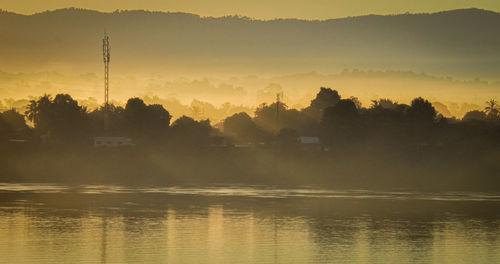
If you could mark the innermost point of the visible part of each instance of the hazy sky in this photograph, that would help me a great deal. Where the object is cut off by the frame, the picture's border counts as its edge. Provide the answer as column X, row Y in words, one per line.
column 311, row 9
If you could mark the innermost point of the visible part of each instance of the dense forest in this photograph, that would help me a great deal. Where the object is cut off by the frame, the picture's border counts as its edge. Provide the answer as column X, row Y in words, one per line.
column 385, row 145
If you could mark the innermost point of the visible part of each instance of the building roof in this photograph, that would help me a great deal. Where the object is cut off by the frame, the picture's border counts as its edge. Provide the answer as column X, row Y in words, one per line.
column 309, row 140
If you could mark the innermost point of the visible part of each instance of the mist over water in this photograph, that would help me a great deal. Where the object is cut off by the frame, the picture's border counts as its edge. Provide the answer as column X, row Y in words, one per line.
column 113, row 224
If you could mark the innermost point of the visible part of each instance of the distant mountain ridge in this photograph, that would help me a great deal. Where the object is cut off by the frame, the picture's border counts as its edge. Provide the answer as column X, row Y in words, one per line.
column 72, row 10
column 462, row 42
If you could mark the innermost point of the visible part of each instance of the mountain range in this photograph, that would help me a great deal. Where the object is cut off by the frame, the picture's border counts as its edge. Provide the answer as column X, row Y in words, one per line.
column 459, row 43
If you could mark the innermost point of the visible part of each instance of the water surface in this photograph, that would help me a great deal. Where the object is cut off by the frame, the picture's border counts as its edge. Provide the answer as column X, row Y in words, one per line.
column 51, row 223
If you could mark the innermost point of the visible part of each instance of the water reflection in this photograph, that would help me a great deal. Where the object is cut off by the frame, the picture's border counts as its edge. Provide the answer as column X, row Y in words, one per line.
column 163, row 228
column 249, row 191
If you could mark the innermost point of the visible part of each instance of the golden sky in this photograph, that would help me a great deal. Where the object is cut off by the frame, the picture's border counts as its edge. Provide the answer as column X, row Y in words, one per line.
column 266, row 9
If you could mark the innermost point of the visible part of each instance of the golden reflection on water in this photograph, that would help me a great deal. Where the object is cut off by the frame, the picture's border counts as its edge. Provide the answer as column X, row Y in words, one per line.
column 162, row 230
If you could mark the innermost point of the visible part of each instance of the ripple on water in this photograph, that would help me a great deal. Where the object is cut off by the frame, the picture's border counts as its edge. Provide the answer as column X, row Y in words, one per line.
column 249, row 191
column 32, row 188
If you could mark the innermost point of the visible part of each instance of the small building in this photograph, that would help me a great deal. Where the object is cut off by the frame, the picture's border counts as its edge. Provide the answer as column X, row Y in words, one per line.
column 112, row 142
column 310, row 143
column 309, row 140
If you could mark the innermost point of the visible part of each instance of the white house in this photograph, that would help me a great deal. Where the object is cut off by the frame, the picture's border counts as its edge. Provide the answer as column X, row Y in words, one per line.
column 309, row 140
column 310, row 143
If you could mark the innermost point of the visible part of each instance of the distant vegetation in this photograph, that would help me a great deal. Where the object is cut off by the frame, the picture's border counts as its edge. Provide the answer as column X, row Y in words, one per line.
column 387, row 139
column 217, row 99
column 328, row 116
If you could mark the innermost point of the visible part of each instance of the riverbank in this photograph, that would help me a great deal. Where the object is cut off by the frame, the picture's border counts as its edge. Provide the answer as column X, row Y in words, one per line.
column 354, row 168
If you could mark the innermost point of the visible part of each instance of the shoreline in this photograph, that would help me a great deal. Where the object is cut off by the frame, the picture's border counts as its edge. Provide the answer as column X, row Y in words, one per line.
column 350, row 169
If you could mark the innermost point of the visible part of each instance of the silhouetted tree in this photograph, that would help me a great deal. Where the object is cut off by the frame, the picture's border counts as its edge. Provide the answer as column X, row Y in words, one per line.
column 491, row 109
column 300, row 122
column 189, row 132
column 340, row 121
column 117, row 125
column 384, row 118
column 14, row 119
column 242, row 128
column 40, row 113
column 421, row 112
column 474, row 115
column 62, row 117
column 325, row 98
column 146, row 122
column 134, row 114
column 13, row 125
column 356, row 101
column 158, row 120
column 270, row 117
column 384, row 103
column 267, row 117
column 345, row 112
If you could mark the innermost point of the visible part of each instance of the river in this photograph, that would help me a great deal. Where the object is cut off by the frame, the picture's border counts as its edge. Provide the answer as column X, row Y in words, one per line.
column 52, row 223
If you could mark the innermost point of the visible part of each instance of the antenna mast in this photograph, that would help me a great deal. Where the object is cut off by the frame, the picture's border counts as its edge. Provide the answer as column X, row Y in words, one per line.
column 106, row 51
column 278, row 96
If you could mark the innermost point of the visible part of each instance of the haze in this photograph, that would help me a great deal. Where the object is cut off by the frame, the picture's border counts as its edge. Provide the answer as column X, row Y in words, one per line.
column 250, row 131
column 450, row 57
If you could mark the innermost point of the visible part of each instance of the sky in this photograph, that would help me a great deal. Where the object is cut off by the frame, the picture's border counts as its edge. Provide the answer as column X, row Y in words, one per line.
column 261, row 9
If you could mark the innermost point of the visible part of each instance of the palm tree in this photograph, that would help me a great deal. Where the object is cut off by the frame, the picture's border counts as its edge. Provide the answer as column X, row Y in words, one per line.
column 37, row 106
column 492, row 108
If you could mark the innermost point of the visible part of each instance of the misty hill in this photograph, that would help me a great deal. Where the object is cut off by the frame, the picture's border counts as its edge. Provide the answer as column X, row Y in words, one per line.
column 459, row 42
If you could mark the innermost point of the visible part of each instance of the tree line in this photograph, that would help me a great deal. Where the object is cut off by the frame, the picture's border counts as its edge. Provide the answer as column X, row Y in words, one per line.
column 335, row 120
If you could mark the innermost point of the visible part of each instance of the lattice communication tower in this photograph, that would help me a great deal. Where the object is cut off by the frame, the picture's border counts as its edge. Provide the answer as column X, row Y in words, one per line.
column 106, row 51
